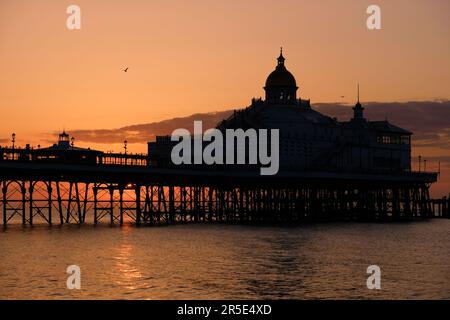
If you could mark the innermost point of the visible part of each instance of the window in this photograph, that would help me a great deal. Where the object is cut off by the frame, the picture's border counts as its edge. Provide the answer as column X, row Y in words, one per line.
column 384, row 139
column 394, row 139
column 406, row 140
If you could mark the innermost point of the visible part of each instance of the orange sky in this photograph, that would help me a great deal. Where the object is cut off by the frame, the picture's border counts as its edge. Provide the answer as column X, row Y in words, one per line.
column 191, row 56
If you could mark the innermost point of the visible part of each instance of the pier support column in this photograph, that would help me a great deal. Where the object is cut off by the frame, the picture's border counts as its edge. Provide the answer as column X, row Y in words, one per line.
column 80, row 214
column 85, row 201
column 138, row 204
column 95, row 190
column 171, row 204
column 121, row 205
column 4, row 191
column 69, row 203
column 58, row 194
column 111, row 204
column 49, row 190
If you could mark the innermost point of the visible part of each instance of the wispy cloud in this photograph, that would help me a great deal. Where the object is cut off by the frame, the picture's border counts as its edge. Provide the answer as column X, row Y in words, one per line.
column 428, row 120
column 142, row 133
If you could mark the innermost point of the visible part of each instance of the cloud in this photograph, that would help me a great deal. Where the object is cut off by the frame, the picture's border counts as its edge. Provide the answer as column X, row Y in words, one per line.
column 428, row 120
column 141, row 133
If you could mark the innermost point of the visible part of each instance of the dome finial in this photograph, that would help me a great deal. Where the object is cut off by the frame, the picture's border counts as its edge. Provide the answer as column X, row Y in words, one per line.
column 358, row 92
column 281, row 58
column 358, row 109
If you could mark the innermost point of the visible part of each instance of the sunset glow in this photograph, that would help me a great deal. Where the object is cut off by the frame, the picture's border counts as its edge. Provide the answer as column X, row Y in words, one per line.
column 202, row 56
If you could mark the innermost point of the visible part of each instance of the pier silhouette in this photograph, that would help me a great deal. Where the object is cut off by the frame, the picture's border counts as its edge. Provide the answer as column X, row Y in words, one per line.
column 329, row 170
column 69, row 187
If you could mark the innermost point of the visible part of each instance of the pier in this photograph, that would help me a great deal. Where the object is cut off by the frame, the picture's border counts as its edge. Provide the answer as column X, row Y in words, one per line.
column 127, row 189
column 329, row 170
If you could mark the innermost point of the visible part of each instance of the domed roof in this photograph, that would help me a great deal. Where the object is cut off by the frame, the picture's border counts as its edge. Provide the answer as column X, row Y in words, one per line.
column 281, row 77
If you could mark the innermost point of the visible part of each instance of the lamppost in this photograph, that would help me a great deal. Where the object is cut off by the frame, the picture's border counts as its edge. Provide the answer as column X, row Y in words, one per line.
column 125, row 146
column 13, row 140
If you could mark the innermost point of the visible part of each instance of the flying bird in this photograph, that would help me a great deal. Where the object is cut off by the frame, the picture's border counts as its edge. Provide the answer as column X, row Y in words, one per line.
column 125, row 70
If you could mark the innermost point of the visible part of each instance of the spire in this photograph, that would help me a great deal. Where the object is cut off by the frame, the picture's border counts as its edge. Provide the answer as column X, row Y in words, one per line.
column 358, row 104
column 358, row 92
column 358, row 109
column 281, row 58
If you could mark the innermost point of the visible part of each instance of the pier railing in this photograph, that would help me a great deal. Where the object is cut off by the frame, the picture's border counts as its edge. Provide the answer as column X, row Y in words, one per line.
column 98, row 158
column 87, row 157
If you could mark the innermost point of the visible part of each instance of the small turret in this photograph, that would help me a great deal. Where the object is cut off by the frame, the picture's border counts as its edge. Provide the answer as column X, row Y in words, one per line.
column 64, row 140
column 358, row 111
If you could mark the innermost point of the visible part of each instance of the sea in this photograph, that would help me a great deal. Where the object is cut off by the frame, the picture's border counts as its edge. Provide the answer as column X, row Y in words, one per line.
column 222, row 261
